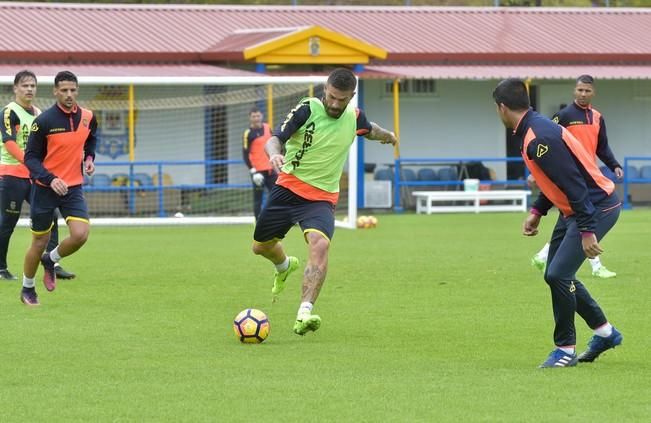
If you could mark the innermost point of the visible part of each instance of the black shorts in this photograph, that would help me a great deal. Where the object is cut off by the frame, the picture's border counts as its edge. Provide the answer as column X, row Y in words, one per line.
column 13, row 192
column 45, row 201
column 284, row 209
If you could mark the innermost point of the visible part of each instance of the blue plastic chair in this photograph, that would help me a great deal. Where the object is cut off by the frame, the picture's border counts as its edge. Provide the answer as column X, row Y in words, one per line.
column 408, row 175
column 645, row 172
column 385, row 174
column 427, row 174
column 632, row 172
column 142, row 179
column 100, row 180
column 447, row 174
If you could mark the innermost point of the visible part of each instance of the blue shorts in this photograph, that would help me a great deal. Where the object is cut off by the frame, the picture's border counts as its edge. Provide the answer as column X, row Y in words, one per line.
column 284, row 209
column 44, row 201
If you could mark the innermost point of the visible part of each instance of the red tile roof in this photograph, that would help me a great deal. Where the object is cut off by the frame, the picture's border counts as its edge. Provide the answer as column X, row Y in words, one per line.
column 106, row 32
column 128, row 73
column 483, row 72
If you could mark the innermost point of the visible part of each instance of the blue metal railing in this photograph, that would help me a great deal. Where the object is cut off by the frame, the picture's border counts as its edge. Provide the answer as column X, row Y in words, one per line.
column 159, row 188
column 628, row 180
column 461, row 162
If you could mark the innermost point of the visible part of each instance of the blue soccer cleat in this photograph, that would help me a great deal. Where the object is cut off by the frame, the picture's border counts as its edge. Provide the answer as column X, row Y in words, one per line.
column 599, row 344
column 559, row 358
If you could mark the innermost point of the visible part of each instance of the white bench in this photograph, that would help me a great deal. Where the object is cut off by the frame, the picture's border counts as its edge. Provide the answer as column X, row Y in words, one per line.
column 426, row 201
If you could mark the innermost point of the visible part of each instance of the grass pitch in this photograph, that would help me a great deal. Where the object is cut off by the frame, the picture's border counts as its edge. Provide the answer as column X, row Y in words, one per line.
column 425, row 318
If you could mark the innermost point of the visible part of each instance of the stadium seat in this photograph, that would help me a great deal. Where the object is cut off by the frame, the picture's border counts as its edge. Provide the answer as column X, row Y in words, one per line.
column 645, row 172
column 632, row 172
column 427, row 174
column 142, row 180
column 385, row 174
column 447, row 174
column 100, row 180
column 608, row 173
column 86, row 180
column 408, row 175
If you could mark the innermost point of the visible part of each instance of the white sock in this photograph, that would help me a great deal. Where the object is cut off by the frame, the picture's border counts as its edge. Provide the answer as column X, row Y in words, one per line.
column 542, row 254
column 567, row 350
column 54, row 255
column 595, row 263
column 28, row 282
column 304, row 310
column 604, row 330
column 284, row 265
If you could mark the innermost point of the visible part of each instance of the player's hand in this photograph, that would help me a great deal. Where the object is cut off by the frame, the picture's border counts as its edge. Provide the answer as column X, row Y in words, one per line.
column 59, row 186
column 89, row 166
column 591, row 246
column 619, row 173
column 258, row 179
column 389, row 139
column 277, row 161
column 531, row 181
column 530, row 225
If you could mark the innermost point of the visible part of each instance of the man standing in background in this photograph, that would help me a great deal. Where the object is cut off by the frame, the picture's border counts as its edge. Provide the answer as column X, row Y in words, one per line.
column 256, row 159
column 15, row 184
column 588, row 126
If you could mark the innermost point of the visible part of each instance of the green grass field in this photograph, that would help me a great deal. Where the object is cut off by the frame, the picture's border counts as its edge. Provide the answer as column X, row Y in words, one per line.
column 426, row 318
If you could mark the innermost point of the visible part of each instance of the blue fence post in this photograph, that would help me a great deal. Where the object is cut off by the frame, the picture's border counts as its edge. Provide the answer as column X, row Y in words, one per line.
column 132, row 192
column 396, row 186
column 161, row 207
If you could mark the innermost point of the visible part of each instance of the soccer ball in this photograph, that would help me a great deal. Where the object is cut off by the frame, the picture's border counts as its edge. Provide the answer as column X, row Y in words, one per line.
column 251, row 326
column 372, row 221
column 365, row 222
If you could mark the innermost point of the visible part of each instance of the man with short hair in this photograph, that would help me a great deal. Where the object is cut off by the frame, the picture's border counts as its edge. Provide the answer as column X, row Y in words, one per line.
column 60, row 149
column 568, row 178
column 15, row 184
column 256, row 159
column 316, row 136
column 588, row 126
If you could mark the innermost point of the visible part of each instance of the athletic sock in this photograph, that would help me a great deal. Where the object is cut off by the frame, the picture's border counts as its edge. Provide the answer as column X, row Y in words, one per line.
column 595, row 263
column 28, row 282
column 54, row 255
column 604, row 330
column 542, row 254
column 281, row 267
column 304, row 310
column 567, row 350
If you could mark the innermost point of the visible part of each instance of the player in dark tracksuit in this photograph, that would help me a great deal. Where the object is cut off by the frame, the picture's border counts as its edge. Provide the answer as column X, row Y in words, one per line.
column 256, row 159
column 568, row 177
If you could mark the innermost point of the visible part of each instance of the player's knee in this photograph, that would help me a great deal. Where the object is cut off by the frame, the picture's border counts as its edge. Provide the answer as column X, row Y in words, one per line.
column 260, row 248
column 79, row 237
column 552, row 276
column 318, row 244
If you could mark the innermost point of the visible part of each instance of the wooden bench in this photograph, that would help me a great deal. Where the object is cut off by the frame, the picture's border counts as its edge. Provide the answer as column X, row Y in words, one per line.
column 426, row 201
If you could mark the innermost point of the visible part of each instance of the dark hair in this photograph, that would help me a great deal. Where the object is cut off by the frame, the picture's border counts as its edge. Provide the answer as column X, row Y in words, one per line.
column 254, row 109
column 585, row 79
column 23, row 74
column 512, row 93
column 342, row 79
column 65, row 76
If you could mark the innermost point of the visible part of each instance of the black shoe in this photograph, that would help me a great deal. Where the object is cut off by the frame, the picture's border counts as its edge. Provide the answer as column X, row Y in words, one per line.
column 6, row 275
column 49, row 276
column 28, row 297
column 62, row 273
